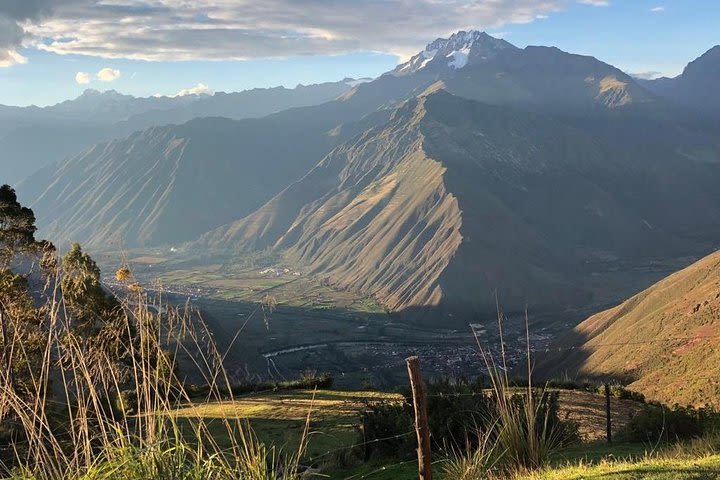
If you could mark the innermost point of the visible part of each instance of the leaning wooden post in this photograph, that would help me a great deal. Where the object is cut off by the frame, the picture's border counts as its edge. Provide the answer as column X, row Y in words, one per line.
column 421, row 418
column 608, row 418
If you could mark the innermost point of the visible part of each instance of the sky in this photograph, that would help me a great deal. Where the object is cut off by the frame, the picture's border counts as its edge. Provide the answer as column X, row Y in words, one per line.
column 52, row 50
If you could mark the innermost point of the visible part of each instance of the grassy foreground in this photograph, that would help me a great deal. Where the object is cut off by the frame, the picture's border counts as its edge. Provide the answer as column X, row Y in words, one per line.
column 658, row 469
column 278, row 418
column 706, row 468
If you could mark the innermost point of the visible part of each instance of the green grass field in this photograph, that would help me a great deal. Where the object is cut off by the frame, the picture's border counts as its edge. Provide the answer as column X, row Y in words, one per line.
column 279, row 418
column 654, row 469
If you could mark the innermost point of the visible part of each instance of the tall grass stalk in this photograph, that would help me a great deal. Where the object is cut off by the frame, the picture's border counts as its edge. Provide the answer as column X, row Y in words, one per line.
column 522, row 436
column 88, row 411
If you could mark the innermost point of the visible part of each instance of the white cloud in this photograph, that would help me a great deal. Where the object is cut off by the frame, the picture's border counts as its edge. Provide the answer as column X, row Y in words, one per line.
column 8, row 58
column 595, row 3
column 650, row 75
column 108, row 75
column 15, row 16
column 82, row 78
column 246, row 29
column 658, row 9
column 199, row 89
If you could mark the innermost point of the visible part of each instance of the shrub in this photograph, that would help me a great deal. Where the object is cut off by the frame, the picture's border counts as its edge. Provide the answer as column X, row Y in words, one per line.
column 465, row 416
column 126, row 402
column 308, row 381
column 387, row 429
column 619, row 391
column 658, row 422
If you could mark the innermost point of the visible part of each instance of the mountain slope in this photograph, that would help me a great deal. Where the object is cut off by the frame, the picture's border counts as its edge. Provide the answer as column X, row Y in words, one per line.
column 448, row 201
column 69, row 127
column 664, row 340
column 696, row 88
column 170, row 184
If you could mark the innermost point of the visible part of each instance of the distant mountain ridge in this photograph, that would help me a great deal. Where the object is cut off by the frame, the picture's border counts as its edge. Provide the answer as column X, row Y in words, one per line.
column 457, row 51
column 696, row 88
column 94, row 116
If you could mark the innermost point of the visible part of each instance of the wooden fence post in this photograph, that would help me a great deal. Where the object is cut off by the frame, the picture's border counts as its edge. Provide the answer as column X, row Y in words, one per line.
column 421, row 419
column 608, row 418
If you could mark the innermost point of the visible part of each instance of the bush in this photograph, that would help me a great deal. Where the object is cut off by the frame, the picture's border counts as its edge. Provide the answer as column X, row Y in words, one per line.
column 458, row 413
column 126, row 402
column 308, row 381
column 619, row 391
column 388, row 430
column 461, row 415
column 661, row 423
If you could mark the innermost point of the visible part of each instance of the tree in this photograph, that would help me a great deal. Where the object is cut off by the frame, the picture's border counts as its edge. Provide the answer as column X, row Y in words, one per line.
column 94, row 315
column 17, row 237
column 17, row 227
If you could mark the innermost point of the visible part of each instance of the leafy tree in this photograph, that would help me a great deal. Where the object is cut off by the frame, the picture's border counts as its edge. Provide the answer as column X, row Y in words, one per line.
column 17, row 227
column 87, row 302
column 17, row 237
column 95, row 316
column 22, row 339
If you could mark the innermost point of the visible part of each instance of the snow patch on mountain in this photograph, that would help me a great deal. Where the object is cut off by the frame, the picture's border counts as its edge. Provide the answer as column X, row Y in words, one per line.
column 459, row 58
column 459, row 49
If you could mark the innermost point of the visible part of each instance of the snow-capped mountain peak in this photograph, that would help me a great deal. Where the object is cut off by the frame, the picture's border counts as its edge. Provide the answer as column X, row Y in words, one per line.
column 454, row 52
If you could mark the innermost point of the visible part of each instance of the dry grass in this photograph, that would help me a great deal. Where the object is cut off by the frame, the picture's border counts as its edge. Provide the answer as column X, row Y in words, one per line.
column 84, row 414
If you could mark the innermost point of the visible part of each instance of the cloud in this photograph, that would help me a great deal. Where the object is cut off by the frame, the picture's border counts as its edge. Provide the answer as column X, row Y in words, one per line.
column 247, row 29
column 199, row 89
column 658, row 9
column 82, row 78
column 651, row 75
column 595, row 3
column 15, row 15
column 108, row 75
column 8, row 58
column 11, row 35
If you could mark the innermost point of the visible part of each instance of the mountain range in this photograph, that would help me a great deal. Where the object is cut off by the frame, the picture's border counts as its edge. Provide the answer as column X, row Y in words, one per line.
column 70, row 126
column 696, row 88
column 476, row 166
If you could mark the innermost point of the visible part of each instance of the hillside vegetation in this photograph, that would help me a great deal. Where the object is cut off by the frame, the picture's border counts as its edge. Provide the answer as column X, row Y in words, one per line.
column 663, row 341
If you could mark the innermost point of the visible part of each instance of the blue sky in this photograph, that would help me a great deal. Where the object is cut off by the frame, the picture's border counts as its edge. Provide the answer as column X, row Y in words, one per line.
column 164, row 46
